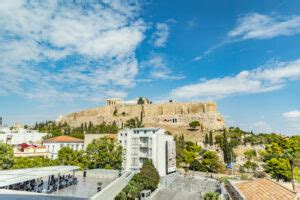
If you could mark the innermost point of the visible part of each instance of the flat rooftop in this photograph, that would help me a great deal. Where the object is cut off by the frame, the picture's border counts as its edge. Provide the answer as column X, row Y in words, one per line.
column 9, row 177
column 85, row 188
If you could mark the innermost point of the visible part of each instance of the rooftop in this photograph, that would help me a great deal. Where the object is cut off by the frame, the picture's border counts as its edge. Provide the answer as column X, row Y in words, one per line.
column 146, row 129
column 63, row 138
column 265, row 189
column 9, row 177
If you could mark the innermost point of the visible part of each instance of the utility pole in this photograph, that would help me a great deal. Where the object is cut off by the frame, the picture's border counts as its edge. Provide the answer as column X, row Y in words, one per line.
column 232, row 164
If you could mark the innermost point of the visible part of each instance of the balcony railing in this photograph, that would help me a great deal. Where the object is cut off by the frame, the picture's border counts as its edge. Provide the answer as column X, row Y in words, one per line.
column 145, row 144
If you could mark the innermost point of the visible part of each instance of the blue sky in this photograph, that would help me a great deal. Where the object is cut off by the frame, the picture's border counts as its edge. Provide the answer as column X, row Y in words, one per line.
column 57, row 57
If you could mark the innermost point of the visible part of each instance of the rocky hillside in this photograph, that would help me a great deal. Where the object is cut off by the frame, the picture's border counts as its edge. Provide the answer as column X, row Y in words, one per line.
column 174, row 117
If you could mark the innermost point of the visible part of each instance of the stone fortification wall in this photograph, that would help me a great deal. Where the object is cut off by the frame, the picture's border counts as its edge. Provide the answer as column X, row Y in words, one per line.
column 167, row 114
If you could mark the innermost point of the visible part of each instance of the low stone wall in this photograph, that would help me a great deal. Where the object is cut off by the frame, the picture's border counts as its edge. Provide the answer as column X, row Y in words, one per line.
column 234, row 192
column 114, row 188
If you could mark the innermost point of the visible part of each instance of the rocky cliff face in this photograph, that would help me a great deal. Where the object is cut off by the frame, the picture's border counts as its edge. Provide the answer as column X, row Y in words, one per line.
column 166, row 115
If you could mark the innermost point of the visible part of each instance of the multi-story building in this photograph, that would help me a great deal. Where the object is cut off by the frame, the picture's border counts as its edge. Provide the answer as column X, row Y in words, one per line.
column 18, row 135
column 54, row 144
column 141, row 144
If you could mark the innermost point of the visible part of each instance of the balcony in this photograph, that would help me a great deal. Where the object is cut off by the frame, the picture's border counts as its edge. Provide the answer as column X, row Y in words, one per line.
column 145, row 154
column 147, row 145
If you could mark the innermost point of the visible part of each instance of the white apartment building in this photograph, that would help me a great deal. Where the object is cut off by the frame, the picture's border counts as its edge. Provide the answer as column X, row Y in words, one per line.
column 141, row 144
column 18, row 135
column 54, row 144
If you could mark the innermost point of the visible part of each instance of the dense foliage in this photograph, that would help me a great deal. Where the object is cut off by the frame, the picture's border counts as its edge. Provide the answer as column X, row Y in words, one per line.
column 134, row 123
column 282, row 158
column 102, row 153
column 194, row 124
column 147, row 179
column 6, row 156
column 196, row 158
column 20, row 163
column 212, row 162
column 57, row 129
column 211, row 196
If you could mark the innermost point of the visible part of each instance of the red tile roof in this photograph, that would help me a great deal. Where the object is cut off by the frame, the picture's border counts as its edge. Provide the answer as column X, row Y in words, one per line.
column 63, row 139
column 265, row 189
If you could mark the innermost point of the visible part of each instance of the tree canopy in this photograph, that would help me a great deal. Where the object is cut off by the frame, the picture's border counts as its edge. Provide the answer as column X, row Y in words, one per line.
column 104, row 153
column 6, row 156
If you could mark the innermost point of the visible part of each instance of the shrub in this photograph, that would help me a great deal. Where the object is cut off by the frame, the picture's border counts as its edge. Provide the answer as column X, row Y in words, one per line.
column 211, row 196
column 197, row 166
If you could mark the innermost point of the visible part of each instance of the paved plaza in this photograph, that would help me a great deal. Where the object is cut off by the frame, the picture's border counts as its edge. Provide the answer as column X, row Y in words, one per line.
column 85, row 188
column 187, row 188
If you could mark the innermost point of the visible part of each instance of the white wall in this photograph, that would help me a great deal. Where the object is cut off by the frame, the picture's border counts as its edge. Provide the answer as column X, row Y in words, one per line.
column 53, row 148
column 20, row 136
column 158, row 147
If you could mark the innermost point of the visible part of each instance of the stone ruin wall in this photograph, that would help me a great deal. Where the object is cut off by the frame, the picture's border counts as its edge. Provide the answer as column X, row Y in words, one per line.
column 169, row 114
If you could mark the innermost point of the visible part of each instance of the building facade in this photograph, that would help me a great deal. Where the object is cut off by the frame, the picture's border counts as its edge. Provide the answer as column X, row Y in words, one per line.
column 141, row 144
column 54, row 144
column 26, row 150
column 115, row 101
column 18, row 135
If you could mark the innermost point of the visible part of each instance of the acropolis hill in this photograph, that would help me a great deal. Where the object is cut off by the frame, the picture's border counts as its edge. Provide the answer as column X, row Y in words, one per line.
column 172, row 116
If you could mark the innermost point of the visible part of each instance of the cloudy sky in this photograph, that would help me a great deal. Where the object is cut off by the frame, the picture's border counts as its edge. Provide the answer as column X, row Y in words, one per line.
column 57, row 57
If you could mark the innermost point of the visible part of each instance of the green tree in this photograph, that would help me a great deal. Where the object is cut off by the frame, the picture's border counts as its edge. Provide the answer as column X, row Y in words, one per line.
column 67, row 156
column 104, row 153
column 24, row 162
column 292, row 154
column 226, row 148
column 149, row 175
column 212, row 162
column 250, row 165
column 141, row 101
column 218, row 140
column 6, row 156
column 250, row 154
column 147, row 179
column 211, row 140
column 134, row 123
column 278, row 168
column 189, row 156
column 198, row 166
column 206, row 140
column 194, row 124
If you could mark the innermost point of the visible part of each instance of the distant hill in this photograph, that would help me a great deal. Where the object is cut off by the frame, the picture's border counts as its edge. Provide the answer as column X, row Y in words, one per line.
column 174, row 117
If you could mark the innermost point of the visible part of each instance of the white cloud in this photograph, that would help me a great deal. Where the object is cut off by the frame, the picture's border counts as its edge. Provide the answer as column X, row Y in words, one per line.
column 262, row 127
column 292, row 115
column 160, row 36
column 263, row 79
column 292, row 120
column 159, row 68
column 260, row 26
column 104, row 36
